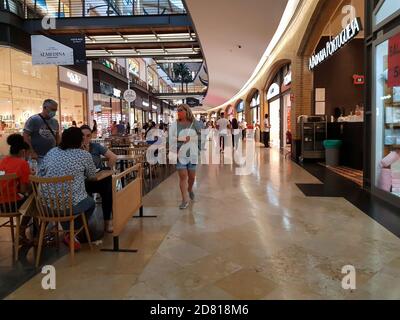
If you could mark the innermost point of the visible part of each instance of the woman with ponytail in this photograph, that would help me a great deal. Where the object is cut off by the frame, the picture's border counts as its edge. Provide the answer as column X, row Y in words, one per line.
column 16, row 163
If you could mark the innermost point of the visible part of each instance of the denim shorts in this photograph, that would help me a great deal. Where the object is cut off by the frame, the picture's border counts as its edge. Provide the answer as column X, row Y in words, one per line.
column 189, row 166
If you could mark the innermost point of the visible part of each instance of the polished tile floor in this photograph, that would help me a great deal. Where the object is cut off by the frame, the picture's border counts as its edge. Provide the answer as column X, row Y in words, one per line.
column 245, row 237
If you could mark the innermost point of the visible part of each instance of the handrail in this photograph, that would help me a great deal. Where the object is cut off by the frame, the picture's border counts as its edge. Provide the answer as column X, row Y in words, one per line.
column 33, row 9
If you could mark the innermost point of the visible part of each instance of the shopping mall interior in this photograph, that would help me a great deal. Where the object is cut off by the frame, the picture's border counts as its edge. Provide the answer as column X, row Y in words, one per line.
column 303, row 203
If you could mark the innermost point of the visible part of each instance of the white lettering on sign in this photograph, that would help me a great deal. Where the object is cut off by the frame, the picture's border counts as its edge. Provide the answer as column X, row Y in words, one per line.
column 337, row 43
column 117, row 92
column 74, row 77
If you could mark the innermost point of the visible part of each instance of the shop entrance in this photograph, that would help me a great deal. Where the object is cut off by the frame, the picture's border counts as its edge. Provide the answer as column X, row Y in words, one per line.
column 274, row 120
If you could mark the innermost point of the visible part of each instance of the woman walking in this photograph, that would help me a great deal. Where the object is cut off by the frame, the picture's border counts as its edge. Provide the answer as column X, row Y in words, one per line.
column 187, row 131
column 235, row 133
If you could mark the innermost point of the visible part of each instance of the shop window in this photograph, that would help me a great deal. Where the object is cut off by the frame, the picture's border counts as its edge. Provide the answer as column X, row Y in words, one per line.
column 255, row 101
column 387, row 115
column 72, row 107
column 21, row 87
column 386, row 9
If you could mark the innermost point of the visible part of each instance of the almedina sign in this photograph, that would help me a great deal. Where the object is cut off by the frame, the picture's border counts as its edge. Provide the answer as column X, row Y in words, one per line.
column 347, row 34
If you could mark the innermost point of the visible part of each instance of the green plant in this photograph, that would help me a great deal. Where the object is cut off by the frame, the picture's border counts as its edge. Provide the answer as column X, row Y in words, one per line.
column 183, row 74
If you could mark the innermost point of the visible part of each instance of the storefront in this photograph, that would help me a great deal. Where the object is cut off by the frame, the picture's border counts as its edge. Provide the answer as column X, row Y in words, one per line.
column 255, row 108
column 279, row 107
column 109, row 106
column 384, row 55
column 240, row 111
column 155, row 110
column 23, row 87
column 73, row 97
column 334, row 53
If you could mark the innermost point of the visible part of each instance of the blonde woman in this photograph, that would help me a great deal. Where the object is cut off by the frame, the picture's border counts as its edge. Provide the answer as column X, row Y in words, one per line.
column 187, row 128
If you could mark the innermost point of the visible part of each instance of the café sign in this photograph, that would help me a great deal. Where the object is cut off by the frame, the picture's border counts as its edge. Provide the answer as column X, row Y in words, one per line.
column 331, row 47
column 72, row 78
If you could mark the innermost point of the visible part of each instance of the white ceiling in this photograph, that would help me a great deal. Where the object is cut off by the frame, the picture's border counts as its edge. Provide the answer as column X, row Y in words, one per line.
column 222, row 26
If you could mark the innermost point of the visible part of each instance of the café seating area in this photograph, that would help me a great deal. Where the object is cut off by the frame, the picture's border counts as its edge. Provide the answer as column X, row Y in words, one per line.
column 132, row 178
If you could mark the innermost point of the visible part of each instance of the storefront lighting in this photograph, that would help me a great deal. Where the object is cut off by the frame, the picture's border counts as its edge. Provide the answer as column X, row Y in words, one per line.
column 145, row 104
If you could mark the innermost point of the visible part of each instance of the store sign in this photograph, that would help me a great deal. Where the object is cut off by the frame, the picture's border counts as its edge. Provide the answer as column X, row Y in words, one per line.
column 117, row 93
column 130, row 95
column 394, row 62
column 58, row 50
column 273, row 91
column 72, row 78
column 49, row 51
column 331, row 47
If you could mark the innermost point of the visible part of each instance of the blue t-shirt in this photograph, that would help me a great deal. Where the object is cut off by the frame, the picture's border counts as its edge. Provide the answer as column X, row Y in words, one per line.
column 42, row 138
column 97, row 150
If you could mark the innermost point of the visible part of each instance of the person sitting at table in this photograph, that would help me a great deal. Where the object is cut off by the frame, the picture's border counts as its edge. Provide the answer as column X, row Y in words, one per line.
column 104, row 186
column 16, row 163
column 150, row 139
column 68, row 159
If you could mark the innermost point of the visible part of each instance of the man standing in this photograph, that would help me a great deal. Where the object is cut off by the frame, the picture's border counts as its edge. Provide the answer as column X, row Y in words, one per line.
column 223, row 126
column 41, row 131
column 267, row 127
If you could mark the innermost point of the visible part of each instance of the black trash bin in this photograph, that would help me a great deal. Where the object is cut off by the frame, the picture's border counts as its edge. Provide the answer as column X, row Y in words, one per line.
column 332, row 152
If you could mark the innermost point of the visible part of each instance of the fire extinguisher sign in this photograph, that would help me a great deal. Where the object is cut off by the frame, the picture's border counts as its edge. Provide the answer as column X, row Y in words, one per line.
column 394, row 62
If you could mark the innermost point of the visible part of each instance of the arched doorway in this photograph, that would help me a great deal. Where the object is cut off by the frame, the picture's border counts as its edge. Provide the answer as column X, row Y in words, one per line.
column 279, row 104
column 255, row 108
column 240, row 110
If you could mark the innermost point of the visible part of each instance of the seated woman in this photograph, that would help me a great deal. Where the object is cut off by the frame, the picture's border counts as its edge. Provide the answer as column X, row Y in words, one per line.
column 149, row 138
column 68, row 159
column 104, row 186
column 15, row 163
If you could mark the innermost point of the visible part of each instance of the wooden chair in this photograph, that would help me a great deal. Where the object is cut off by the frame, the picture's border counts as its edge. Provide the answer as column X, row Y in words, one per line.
column 9, row 208
column 53, row 197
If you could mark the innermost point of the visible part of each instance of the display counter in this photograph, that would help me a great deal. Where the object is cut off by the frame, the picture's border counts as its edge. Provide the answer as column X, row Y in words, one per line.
column 352, row 135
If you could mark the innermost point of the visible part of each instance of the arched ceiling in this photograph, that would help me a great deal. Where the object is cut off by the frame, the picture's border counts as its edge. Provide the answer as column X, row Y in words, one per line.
column 234, row 35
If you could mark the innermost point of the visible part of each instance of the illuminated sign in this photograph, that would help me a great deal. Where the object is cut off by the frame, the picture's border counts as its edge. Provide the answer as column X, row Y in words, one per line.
column 273, row 91
column 117, row 93
column 74, row 77
column 347, row 34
